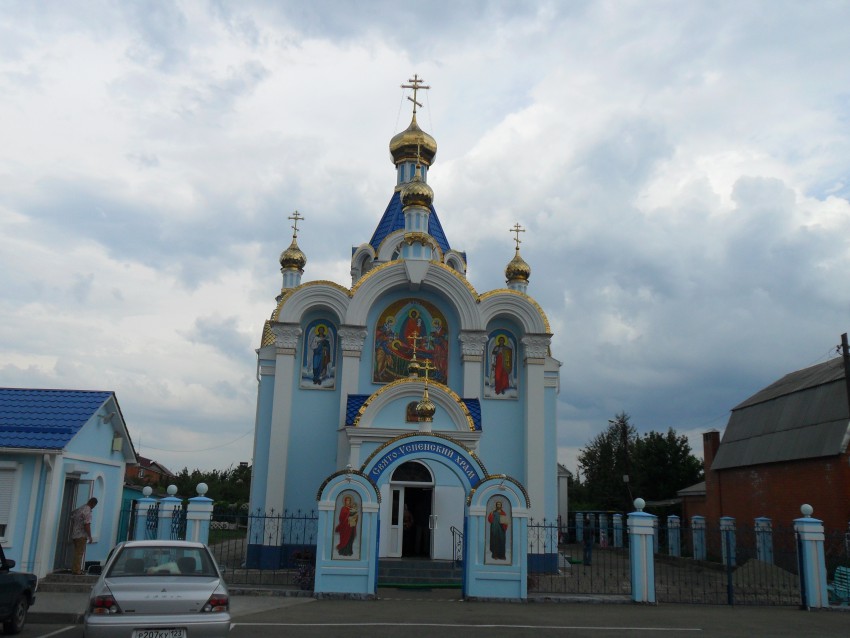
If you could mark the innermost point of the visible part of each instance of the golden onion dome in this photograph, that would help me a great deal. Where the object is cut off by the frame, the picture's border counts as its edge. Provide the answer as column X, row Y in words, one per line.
column 517, row 269
column 413, row 368
column 413, row 143
column 425, row 409
column 416, row 192
column 293, row 257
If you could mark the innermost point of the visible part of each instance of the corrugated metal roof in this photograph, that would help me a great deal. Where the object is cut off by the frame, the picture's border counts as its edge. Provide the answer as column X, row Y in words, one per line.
column 697, row 489
column 803, row 415
column 393, row 220
column 45, row 419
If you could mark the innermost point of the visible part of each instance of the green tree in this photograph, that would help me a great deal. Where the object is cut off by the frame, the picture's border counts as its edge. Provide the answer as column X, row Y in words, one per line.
column 604, row 463
column 663, row 465
column 657, row 466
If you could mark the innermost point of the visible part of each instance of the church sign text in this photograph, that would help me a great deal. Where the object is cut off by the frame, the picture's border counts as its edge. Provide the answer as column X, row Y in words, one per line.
column 460, row 460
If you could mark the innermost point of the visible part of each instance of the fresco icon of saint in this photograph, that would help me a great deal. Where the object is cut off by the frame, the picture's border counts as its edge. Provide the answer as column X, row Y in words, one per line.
column 403, row 326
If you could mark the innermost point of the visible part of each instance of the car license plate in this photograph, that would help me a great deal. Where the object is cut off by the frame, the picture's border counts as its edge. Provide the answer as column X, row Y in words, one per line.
column 160, row 633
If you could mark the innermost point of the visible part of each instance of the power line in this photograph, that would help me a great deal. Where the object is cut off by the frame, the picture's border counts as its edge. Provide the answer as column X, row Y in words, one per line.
column 206, row 449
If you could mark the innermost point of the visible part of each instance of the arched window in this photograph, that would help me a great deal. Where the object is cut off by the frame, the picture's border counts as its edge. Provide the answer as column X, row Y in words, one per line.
column 412, row 472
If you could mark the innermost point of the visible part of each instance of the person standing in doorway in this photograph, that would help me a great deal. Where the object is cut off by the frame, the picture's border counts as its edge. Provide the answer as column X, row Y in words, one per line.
column 81, row 534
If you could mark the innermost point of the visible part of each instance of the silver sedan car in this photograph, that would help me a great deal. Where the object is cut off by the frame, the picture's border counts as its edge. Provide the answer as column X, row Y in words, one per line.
column 158, row 589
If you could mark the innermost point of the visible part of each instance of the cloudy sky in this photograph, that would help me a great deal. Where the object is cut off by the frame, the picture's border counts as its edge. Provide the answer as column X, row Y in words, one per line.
column 681, row 167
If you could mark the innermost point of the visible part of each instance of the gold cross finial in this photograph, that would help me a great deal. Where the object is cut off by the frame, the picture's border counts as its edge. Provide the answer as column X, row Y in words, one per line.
column 517, row 229
column 296, row 217
column 416, row 85
column 427, row 366
column 415, row 339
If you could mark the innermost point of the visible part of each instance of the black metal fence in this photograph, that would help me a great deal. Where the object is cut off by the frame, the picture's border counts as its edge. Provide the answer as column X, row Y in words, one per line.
column 272, row 549
column 732, row 570
column 589, row 560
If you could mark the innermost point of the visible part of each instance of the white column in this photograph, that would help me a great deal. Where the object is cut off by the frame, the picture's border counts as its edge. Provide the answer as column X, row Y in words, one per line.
column 472, row 351
column 810, row 532
column 352, row 339
column 286, row 342
column 536, row 348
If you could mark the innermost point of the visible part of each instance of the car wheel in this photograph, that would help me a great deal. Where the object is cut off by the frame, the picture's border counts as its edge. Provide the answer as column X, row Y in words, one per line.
column 19, row 616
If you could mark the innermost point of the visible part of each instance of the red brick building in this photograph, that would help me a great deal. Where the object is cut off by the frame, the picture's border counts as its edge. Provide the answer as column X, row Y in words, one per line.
column 148, row 472
column 784, row 446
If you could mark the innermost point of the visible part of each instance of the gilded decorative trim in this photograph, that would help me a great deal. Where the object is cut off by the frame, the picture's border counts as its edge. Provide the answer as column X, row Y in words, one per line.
column 268, row 338
column 460, row 277
column 318, row 282
column 280, row 302
column 528, row 298
column 437, row 435
column 371, row 274
column 422, row 238
column 346, row 471
column 452, row 394
column 501, row 477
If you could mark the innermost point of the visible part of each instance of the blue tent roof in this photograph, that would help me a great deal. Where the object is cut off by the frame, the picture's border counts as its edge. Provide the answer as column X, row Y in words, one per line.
column 45, row 419
column 393, row 220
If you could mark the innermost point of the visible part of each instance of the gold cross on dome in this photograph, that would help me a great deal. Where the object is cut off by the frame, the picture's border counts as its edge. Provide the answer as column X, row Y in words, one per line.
column 415, row 83
column 427, row 366
column 415, row 338
column 296, row 217
column 517, row 229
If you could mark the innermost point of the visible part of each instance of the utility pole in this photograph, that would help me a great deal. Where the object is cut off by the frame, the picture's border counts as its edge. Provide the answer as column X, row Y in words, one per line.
column 845, row 353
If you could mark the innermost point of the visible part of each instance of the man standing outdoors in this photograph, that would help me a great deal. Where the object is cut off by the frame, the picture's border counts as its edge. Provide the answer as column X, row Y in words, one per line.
column 81, row 533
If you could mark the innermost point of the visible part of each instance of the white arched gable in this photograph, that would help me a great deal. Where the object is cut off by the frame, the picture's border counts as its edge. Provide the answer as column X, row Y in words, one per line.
column 411, row 390
column 454, row 261
column 389, row 246
column 393, row 276
column 517, row 307
column 313, row 296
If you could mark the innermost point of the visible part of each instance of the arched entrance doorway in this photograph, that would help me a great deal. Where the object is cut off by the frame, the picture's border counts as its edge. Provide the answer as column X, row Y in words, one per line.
column 411, row 515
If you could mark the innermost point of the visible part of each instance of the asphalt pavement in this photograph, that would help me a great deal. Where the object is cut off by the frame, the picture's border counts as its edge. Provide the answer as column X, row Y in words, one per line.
column 443, row 614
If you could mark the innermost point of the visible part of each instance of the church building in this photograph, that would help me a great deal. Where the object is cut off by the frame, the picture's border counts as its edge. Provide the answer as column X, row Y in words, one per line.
column 410, row 378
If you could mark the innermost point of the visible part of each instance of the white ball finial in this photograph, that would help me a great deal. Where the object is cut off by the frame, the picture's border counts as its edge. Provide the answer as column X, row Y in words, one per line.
column 202, row 489
column 807, row 510
column 640, row 504
column 147, row 490
column 172, row 490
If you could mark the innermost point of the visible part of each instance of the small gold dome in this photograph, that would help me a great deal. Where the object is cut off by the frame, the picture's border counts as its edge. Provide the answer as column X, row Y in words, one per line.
column 517, row 269
column 292, row 257
column 413, row 368
column 416, row 192
column 425, row 409
column 411, row 143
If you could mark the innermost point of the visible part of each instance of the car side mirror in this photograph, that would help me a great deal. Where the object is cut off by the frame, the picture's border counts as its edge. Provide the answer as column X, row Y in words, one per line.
column 9, row 564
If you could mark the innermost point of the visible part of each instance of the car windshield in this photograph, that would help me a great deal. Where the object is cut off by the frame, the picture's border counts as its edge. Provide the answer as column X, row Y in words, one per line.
column 162, row 560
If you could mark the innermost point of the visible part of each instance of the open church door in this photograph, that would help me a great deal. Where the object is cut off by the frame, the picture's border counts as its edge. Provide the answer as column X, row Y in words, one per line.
column 396, row 529
column 447, row 513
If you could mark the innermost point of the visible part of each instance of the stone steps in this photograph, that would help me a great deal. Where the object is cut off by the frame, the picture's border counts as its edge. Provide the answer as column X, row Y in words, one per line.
column 419, row 573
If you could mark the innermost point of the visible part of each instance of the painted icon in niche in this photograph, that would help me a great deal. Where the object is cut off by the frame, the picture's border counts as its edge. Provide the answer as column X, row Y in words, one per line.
column 318, row 363
column 501, row 378
column 498, row 531
column 401, row 325
column 347, row 531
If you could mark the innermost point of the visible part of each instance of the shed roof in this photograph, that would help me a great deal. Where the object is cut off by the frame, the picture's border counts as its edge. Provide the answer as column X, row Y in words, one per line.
column 803, row 415
column 45, row 419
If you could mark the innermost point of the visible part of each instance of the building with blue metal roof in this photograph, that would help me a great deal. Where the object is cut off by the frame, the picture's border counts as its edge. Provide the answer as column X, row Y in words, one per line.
column 59, row 448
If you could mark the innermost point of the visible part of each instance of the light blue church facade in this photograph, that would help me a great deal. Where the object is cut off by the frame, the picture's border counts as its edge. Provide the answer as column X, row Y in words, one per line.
column 407, row 408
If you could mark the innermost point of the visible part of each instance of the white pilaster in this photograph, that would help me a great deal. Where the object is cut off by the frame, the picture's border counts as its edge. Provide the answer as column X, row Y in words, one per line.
column 352, row 339
column 472, row 348
column 536, row 348
column 286, row 342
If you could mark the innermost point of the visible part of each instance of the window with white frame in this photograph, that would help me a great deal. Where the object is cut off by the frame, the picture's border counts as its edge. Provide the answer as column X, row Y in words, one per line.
column 8, row 491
